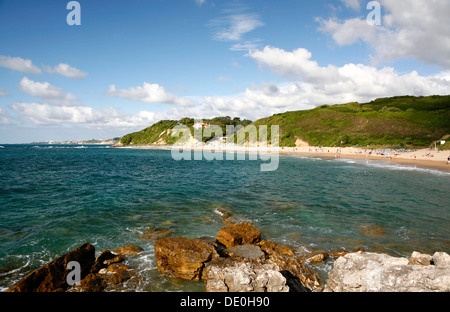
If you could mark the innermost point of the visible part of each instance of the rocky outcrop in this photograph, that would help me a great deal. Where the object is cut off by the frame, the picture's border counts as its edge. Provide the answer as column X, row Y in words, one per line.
column 128, row 250
column 238, row 234
column 183, row 257
column 106, row 272
column 153, row 234
column 237, row 260
column 227, row 275
column 373, row 272
column 52, row 276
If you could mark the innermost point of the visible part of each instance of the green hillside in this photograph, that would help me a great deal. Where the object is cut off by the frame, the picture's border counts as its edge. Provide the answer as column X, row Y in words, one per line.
column 161, row 132
column 400, row 122
column 405, row 122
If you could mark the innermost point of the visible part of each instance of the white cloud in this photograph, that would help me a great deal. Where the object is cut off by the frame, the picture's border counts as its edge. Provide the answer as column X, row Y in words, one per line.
column 200, row 2
column 351, row 82
column 66, row 70
column 234, row 26
column 19, row 64
column 246, row 45
column 47, row 92
column 412, row 28
column 46, row 114
column 149, row 93
column 354, row 4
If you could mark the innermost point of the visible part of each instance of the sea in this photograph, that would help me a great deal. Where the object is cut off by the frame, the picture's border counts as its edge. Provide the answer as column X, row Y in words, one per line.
column 54, row 198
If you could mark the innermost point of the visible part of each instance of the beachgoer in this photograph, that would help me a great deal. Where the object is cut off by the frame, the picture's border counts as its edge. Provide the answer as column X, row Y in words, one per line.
column 448, row 160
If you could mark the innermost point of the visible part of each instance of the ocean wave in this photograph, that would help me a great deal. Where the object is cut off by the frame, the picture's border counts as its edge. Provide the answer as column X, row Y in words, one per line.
column 382, row 164
column 401, row 167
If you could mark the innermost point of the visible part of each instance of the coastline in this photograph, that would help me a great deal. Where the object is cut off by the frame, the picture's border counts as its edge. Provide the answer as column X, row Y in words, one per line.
column 417, row 158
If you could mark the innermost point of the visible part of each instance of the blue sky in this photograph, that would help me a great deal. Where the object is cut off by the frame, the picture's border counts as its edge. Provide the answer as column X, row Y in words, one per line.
column 132, row 63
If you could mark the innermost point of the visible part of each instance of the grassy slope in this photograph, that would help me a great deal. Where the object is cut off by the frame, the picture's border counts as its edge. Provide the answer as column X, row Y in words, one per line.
column 397, row 122
column 405, row 121
column 160, row 133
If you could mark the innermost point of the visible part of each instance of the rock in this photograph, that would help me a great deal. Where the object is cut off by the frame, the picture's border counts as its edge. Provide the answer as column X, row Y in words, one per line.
column 110, row 278
column 152, row 234
column 222, row 213
column 116, row 259
column 299, row 276
column 52, row 276
column 340, row 253
column 420, row 259
column 101, row 258
column 305, row 278
column 238, row 234
column 93, row 282
column 225, row 275
column 373, row 272
column 372, row 230
column 128, row 250
column 244, row 252
column 271, row 248
column 441, row 259
column 182, row 257
column 316, row 255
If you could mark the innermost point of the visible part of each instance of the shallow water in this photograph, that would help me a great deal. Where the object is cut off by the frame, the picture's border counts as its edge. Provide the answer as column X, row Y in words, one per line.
column 54, row 198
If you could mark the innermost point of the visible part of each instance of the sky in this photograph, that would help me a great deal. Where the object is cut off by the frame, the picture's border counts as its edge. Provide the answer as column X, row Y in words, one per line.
column 132, row 63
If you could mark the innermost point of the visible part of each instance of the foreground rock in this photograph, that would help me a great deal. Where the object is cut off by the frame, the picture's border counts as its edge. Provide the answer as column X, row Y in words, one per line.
column 237, row 260
column 104, row 273
column 52, row 276
column 183, row 257
column 226, row 275
column 372, row 272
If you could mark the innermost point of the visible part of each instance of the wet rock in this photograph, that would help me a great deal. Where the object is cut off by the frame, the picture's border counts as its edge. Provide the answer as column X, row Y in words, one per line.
column 238, row 234
column 93, row 282
column 342, row 252
column 372, row 230
column 101, row 258
column 226, row 275
column 128, row 250
column 152, row 234
column 182, row 257
column 52, row 276
column 373, row 272
column 314, row 255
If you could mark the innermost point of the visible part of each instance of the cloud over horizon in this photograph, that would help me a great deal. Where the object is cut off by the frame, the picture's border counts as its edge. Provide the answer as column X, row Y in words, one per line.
column 412, row 28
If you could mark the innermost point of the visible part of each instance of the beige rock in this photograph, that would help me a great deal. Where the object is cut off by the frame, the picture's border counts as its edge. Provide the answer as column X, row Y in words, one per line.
column 225, row 275
column 373, row 272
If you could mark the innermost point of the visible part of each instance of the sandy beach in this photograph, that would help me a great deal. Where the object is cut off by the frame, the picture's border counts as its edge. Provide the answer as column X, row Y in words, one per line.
column 422, row 158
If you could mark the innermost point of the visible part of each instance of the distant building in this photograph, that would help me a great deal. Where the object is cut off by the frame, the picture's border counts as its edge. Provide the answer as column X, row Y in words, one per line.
column 200, row 125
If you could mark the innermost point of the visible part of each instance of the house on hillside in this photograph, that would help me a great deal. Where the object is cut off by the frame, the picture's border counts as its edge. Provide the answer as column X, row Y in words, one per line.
column 200, row 125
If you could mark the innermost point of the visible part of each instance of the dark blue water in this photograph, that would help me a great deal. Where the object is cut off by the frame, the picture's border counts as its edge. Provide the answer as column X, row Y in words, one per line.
column 54, row 198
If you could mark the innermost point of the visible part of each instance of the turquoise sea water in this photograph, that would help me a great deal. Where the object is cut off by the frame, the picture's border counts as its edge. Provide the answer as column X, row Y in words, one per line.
column 55, row 198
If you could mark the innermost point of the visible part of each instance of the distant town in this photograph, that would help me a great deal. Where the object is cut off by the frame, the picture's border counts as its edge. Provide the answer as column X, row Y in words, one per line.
column 81, row 142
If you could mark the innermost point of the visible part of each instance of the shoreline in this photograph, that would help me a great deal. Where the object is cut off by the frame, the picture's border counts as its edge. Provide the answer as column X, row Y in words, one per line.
column 415, row 158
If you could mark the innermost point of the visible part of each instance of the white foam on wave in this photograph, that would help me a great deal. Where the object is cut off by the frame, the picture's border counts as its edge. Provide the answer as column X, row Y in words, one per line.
column 401, row 167
column 381, row 164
